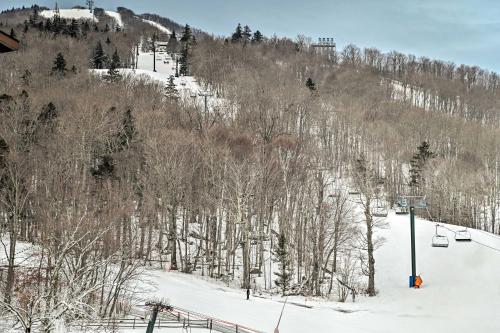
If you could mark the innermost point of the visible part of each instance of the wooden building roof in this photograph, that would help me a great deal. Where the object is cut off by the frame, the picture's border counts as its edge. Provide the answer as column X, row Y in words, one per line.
column 8, row 43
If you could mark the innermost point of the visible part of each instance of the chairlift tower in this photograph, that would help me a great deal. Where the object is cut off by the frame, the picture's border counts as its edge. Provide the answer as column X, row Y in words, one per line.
column 57, row 12
column 205, row 94
column 90, row 3
column 412, row 202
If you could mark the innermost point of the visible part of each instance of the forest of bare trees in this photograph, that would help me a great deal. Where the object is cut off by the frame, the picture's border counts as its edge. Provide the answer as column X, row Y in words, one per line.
column 104, row 178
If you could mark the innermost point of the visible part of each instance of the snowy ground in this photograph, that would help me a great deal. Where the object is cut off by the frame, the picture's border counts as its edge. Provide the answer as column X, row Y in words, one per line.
column 188, row 86
column 461, row 292
column 70, row 14
column 158, row 26
column 82, row 14
column 116, row 16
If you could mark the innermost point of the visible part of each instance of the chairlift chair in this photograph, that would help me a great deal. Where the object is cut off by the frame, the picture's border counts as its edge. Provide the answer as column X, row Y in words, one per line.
column 400, row 210
column 380, row 211
column 440, row 241
column 463, row 236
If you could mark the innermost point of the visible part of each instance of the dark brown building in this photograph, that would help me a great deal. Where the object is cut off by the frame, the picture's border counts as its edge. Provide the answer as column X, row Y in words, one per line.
column 8, row 43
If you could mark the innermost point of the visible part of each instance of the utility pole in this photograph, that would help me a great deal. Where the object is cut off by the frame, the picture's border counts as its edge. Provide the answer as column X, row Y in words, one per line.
column 176, row 65
column 205, row 94
column 154, row 51
column 137, row 57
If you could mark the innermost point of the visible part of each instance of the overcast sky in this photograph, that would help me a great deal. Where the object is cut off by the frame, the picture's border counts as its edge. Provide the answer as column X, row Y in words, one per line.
column 462, row 31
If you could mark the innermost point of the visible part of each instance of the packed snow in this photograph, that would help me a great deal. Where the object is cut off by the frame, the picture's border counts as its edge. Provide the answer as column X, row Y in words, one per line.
column 116, row 16
column 158, row 26
column 460, row 293
column 82, row 14
column 78, row 14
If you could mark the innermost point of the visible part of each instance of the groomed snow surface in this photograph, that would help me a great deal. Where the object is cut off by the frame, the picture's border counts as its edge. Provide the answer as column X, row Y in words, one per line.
column 116, row 16
column 158, row 26
column 78, row 14
column 82, row 14
column 461, row 291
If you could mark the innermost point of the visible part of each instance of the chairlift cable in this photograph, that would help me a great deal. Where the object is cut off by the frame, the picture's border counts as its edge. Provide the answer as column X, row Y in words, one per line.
column 475, row 241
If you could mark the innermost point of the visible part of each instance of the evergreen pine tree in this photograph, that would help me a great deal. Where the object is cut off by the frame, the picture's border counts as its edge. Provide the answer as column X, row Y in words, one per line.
column 108, row 41
column 113, row 73
column 127, row 132
column 26, row 27
column 187, row 35
column 310, row 85
column 99, row 58
column 34, row 15
column 49, row 113
column 284, row 276
column 104, row 167
column 173, row 44
column 246, row 34
column 184, row 61
column 238, row 34
column 170, row 90
column 59, row 65
column 26, row 78
column 74, row 29
column 257, row 37
column 417, row 164
column 12, row 33
column 85, row 28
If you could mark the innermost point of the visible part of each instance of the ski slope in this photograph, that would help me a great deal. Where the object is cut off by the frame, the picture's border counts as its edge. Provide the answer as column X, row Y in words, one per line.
column 188, row 87
column 461, row 291
column 82, row 14
column 78, row 14
column 116, row 17
column 158, row 26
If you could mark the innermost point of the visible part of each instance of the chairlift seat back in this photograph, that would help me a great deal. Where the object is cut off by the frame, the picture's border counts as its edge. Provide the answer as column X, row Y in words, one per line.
column 440, row 241
column 463, row 236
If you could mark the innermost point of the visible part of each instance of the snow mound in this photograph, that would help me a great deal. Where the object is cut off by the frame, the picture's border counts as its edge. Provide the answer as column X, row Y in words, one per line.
column 158, row 26
column 78, row 14
column 116, row 16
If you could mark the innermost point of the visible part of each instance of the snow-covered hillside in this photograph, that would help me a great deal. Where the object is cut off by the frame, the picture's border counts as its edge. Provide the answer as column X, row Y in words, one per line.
column 188, row 86
column 461, row 292
column 79, row 14
column 82, row 14
column 116, row 16
column 158, row 26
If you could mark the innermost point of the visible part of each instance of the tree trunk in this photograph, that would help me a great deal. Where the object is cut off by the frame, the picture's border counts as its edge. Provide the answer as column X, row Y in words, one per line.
column 369, row 241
